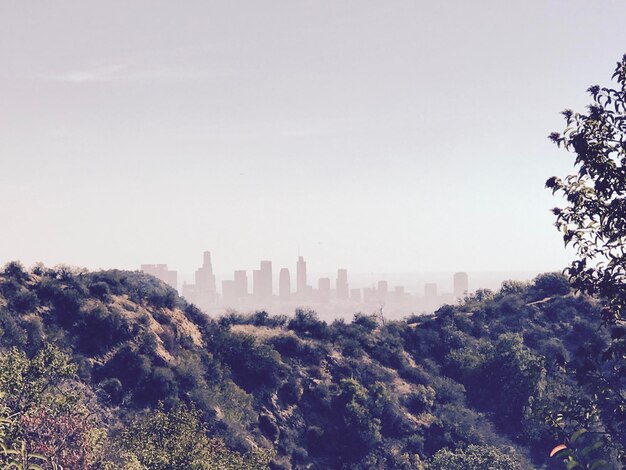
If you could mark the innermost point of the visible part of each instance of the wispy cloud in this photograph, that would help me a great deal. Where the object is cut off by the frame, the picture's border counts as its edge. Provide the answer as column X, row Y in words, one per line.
column 93, row 74
column 126, row 73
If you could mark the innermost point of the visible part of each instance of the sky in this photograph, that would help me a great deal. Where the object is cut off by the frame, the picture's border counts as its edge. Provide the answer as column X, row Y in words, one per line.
column 377, row 136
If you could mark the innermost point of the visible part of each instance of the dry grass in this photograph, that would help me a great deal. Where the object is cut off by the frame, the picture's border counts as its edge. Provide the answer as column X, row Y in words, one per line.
column 261, row 332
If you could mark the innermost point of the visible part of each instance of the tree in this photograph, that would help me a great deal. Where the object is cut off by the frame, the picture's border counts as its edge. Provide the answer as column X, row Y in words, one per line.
column 177, row 439
column 593, row 222
column 474, row 458
column 43, row 423
column 26, row 384
column 510, row 380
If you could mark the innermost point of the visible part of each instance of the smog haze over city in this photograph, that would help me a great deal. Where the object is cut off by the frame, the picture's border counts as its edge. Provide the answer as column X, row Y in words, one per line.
column 401, row 141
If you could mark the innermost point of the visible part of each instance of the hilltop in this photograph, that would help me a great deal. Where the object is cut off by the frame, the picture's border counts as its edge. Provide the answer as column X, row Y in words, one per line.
column 155, row 383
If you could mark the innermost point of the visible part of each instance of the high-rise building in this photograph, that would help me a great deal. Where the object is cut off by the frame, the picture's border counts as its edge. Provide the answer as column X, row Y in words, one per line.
column 301, row 287
column 399, row 296
column 266, row 269
column 355, row 295
column 241, row 286
column 430, row 295
column 284, row 284
column 369, row 295
column 206, row 294
column 342, row 284
column 262, row 282
column 461, row 285
column 229, row 297
column 256, row 285
column 323, row 289
column 161, row 272
column 189, row 293
column 382, row 291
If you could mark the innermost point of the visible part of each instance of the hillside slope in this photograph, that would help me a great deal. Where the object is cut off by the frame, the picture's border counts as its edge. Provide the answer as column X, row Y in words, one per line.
column 475, row 382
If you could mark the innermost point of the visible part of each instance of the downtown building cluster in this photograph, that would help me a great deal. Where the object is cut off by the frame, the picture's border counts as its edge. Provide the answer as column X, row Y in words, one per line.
column 329, row 297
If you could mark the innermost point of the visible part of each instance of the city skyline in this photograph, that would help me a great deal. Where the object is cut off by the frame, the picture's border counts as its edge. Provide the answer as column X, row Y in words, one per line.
column 487, row 279
column 283, row 289
column 263, row 280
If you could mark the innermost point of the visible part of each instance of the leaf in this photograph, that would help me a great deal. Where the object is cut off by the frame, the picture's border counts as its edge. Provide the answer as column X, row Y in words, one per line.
column 572, row 464
column 591, row 448
column 598, row 464
column 12, row 452
column 577, row 434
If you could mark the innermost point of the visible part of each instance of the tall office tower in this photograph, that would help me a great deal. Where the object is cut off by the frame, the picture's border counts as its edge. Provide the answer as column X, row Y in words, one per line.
column 284, row 284
column 189, row 293
column 399, row 296
column 301, row 278
column 241, row 286
column 206, row 294
column 342, row 284
column 256, row 285
column 369, row 295
column 266, row 270
column 161, row 272
column 262, row 282
column 323, row 289
column 430, row 294
column 461, row 285
column 355, row 295
column 382, row 291
column 229, row 297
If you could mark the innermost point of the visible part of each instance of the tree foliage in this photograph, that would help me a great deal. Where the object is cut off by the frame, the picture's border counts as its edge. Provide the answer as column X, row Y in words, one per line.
column 177, row 439
column 593, row 222
column 356, row 395
column 474, row 458
column 594, row 219
column 44, row 423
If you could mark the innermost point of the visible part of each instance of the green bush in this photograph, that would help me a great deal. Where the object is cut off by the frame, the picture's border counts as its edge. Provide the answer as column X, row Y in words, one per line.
column 474, row 458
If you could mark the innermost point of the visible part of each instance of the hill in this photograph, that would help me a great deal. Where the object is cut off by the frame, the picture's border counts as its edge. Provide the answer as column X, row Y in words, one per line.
column 112, row 369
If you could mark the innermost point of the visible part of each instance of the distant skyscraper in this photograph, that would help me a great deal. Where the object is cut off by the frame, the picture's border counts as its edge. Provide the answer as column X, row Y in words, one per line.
column 301, row 288
column 430, row 290
column 382, row 291
column 399, row 296
column 430, row 295
column 189, row 293
column 161, row 272
column 323, row 289
column 206, row 294
column 241, row 285
column 355, row 295
column 369, row 295
column 229, row 297
column 284, row 284
column 262, row 282
column 461, row 285
column 266, row 269
column 256, row 285
column 342, row 284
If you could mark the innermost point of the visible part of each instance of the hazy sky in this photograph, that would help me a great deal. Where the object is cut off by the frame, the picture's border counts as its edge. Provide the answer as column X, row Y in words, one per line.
column 384, row 136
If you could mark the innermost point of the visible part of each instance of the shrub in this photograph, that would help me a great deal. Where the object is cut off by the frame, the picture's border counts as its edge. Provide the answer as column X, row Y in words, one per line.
column 550, row 284
column 474, row 457
column 176, row 439
column 99, row 328
column 254, row 366
column 306, row 323
column 420, row 400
